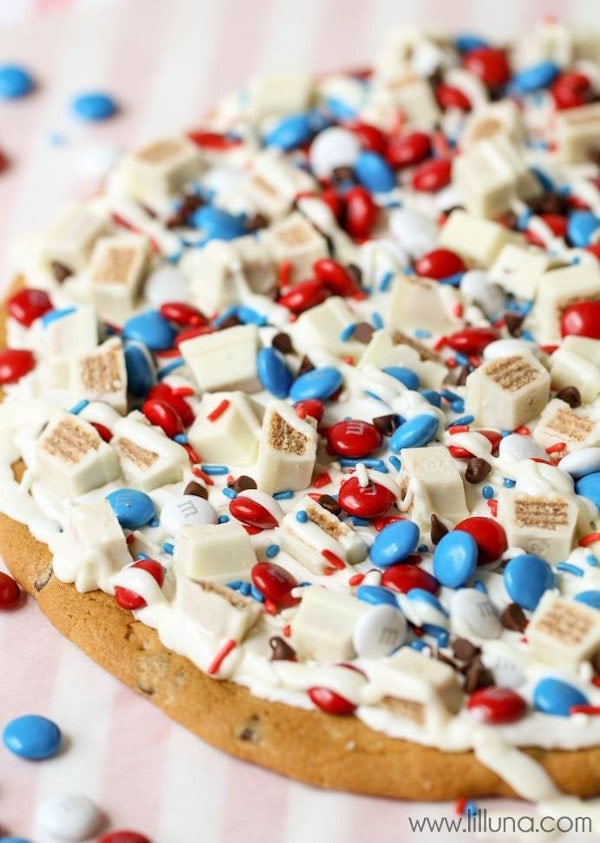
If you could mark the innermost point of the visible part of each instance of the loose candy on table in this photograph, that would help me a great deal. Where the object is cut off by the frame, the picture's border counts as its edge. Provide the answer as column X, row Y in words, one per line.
column 72, row 817
column 132, row 507
column 455, row 558
column 394, row 543
column 15, row 81
column 10, row 592
column 526, row 578
column 554, row 696
column 93, row 106
column 32, row 736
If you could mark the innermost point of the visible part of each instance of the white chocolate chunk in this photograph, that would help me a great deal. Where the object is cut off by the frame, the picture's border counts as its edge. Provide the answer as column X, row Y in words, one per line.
column 155, row 172
column 584, row 347
column 148, row 457
column 570, row 369
column 220, row 553
column 101, row 375
column 559, row 423
column 70, row 239
column 323, row 531
column 278, row 94
column 91, row 549
column 393, row 348
column 416, row 687
column 557, row 289
column 224, row 360
column 115, row 273
column 478, row 241
column 324, row 624
column 219, row 612
column 507, row 392
column 71, row 457
column 73, row 333
column 273, row 182
column 232, row 435
column 257, row 266
column 540, row 524
column 578, row 132
column 490, row 120
column 563, row 631
column 422, row 303
column 287, row 449
column 296, row 241
column 518, row 269
column 490, row 175
column 212, row 272
column 323, row 326
column 430, row 482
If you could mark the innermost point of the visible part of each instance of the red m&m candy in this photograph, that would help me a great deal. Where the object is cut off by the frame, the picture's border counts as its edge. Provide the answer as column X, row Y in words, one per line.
column 448, row 96
column 247, row 509
column 370, row 136
column 440, row 263
column 275, row 583
column 408, row 150
column 472, row 340
column 128, row 599
column 353, row 438
column 432, row 175
column 9, row 591
column 182, row 313
column 335, row 277
column 163, row 415
column 304, row 295
column 403, row 578
column 330, row 701
column 124, row 836
column 164, row 393
column 489, row 64
column 310, row 407
column 365, row 501
column 497, row 705
column 581, row 319
column 28, row 304
column 14, row 364
column 489, row 536
column 360, row 212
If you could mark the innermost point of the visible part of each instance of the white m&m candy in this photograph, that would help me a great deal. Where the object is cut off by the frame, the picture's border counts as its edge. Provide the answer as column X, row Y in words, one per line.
column 71, row 817
column 186, row 509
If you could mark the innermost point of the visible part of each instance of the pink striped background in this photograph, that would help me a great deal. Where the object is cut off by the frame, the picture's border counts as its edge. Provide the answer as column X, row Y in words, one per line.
column 167, row 61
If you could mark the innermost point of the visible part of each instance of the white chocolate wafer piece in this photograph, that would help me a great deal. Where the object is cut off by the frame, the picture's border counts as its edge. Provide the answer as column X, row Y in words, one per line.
column 272, row 183
column 115, row 274
column 578, row 132
column 219, row 612
column 224, row 360
column 478, row 241
column 155, row 172
column 149, row 459
column 287, row 449
column 101, row 375
column 220, row 553
column 70, row 239
column 540, row 524
column 507, row 392
column 559, row 423
column 226, row 429
column 563, row 631
column 295, row 241
column 324, row 624
column 430, row 482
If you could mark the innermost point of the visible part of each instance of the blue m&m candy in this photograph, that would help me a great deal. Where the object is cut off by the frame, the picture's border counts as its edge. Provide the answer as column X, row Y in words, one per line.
column 140, row 368
column 374, row 173
column 553, row 696
column 394, row 543
column 455, row 558
column 415, row 432
column 535, row 77
column 93, row 106
column 273, row 372
column 218, row 224
column 406, row 376
column 526, row 578
column 290, row 132
column 132, row 508
column 376, row 594
column 589, row 487
column 590, row 598
column 32, row 736
column 15, row 81
column 581, row 226
column 152, row 329
column 318, row 383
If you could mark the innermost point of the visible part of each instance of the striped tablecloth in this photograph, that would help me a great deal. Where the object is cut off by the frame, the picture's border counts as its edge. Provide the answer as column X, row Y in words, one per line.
column 167, row 61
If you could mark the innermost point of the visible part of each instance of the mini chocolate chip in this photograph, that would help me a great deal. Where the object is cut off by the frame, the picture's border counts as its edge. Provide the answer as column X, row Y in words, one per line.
column 244, row 482
column 251, row 731
column 464, row 650
column 363, row 332
column 477, row 470
column 231, row 322
column 595, row 661
column 386, row 425
column 306, row 365
column 513, row 617
column 189, row 204
column 477, row 676
column 256, row 222
column 513, row 322
column 463, row 374
column 343, row 174
column 571, row 396
column 281, row 650
column 549, row 203
column 60, row 271
column 438, row 529
column 356, row 272
column 442, row 658
column 282, row 342
column 330, row 504
column 197, row 489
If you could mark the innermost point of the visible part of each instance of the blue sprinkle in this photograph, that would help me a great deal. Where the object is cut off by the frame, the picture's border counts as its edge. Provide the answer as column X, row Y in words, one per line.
column 290, row 132
column 464, row 420
column 245, row 589
column 139, row 556
column 154, row 522
column 527, row 335
column 417, row 644
column 523, row 220
column 302, row 516
column 223, row 519
column 487, row 492
column 449, row 395
column 590, row 598
column 256, row 594
column 377, row 320
column 471, row 809
column 422, row 548
column 508, row 483
column 272, row 550
column 229, row 493
column 215, row 469
column 458, row 406
column 452, row 280
column 77, row 408
column 93, row 106
column 395, row 462
column 422, row 333
column 249, row 316
column 591, row 560
column 461, row 358
column 224, row 315
column 180, row 438
column 235, row 585
column 543, row 178
column 350, row 462
column 505, row 432
column 567, row 568
column 347, row 332
column 386, row 281
column 53, row 315
column 170, row 367
column 525, row 308
column 358, row 522
column 440, row 634
column 480, row 586
column 372, row 395
column 284, row 495
column 406, row 376
column 15, row 81
column 434, row 398
column 168, row 547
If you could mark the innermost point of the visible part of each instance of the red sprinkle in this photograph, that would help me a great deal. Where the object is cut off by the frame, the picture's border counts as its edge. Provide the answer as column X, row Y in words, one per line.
column 558, row 446
column 218, row 411
column 523, row 431
column 124, row 836
column 105, row 433
column 589, row 539
column 221, row 656
column 355, row 580
column 9, row 591
column 197, row 472
column 321, row 480
column 585, row 709
column 493, row 506
column 333, row 559
column 285, row 273
column 213, row 140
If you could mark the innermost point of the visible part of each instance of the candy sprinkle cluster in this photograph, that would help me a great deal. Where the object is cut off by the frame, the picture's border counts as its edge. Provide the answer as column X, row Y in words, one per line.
column 313, row 390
